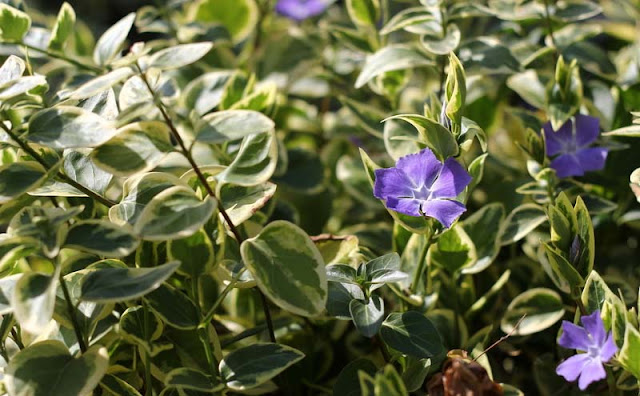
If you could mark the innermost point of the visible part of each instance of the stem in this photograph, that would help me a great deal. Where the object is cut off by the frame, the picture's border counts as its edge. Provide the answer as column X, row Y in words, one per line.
column 581, row 307
column 611, row 382
column 422, row 262
column 254, row 331
column 203, row 180
column 187, row 154
column 55, row 55
column 203, row 331
column 547, row 15
column 72, row 314
column 17, row 339
column 456, row 311
column 267, row 316
column 29, row 150
column 209, row 315
column 148, row 389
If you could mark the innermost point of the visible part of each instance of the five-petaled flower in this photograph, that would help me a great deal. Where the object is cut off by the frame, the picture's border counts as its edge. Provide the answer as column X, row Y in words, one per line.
column 421, row 185
column 571, row 143
column 598, row 346
column 299, row 10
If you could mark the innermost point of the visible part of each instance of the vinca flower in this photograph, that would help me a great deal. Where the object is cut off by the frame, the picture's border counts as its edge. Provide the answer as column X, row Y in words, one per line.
column 598, row 346
column 571, row 145
column 421, row 185
column 299, row 10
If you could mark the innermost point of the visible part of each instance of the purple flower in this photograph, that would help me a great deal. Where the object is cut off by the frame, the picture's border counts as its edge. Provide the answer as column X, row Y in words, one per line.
column 598, row 346
column 421, row 185
column 572, row 142
column 299, row 10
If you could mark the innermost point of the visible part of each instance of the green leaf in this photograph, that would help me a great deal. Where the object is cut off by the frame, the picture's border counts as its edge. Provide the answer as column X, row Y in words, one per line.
column 137, row 192
column 340, row 296
column 483, row 227
column 122, row 284
column 250, row 366
column 101, row 83
column 255, row 162
column 487, row 56
column 442, row 44
column 14, row 23
column 101, row 237
column 47, row 368
column 117, row 386
column 415, row 373
column 367, row 315
column 133, row 329
column 82, row 169
column 174, row 213
column 628, row 355
column 178, row 56
column 42, row 225
column 542, row 307
column 174, row 307
column 239, row 17
column 63, row 27
column 454, row 250
column 195, row 253
column 287, row 267
column 225, row 125
column 434, row 135
column 241, row 203
column 364, row 13
column 561, row 233
column 21, row 86
column 520, row 222
column 7, row 286
column 111, row 41
column 562, row 273
column 33, row 301
column 456, row 92
column 393, row 57
column 587, row 249
column 412, row 334
column 18, row 178
column 341, row 273
column 528, row 86
column 572, row 11
column 384, row 269
column 11, row 70
column 188, row 378
column 407, row 18
column 204, row 93
column 366, row 116
column 137, row 147
column 67, row 127
column 347, row 383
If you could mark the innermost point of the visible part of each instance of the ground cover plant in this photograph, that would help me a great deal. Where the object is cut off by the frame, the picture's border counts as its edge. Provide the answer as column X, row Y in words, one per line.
column 307, row 197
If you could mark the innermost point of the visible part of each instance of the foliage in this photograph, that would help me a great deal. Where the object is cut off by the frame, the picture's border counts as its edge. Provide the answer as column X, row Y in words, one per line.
column 195, row 214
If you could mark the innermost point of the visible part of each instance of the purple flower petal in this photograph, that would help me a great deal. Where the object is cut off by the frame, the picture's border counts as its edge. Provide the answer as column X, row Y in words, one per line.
column 446, row 212
column 571, row 368
column 301, row 9
column 574, row 337
column 452, row 180
column 567, row 165
column 591, row 372
column 422, row 168
column 592, row 159
column 556, row 141
column 595, row 327
column 587, row 129
column 408, row 206
column 608, row 349
column 392, row 182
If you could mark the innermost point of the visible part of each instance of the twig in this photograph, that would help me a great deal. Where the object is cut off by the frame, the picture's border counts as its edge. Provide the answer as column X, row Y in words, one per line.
column 501, row 338
column 29, row 150
column 72, row 314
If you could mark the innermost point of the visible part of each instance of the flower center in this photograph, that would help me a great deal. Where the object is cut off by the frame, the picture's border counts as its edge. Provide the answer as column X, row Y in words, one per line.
column 422, row 192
